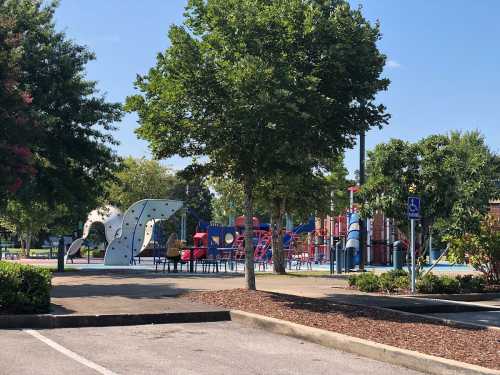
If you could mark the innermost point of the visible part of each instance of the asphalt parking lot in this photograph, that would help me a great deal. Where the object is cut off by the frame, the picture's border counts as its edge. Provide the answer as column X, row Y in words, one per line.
column 202, row 348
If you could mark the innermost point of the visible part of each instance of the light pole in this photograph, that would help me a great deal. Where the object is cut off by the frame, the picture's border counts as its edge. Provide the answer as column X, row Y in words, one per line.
column 362, row 221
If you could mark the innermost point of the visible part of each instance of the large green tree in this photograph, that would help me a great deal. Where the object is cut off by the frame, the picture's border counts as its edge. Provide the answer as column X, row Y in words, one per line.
column 66, row 129
column 262, row 88
column 453, row 174
column 139, row 179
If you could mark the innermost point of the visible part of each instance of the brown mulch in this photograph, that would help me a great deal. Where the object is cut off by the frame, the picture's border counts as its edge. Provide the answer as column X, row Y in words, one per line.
column 476, row 346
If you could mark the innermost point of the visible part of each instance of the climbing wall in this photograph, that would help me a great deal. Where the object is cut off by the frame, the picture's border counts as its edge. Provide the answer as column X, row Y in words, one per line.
column 121, row 250
column 109, row 216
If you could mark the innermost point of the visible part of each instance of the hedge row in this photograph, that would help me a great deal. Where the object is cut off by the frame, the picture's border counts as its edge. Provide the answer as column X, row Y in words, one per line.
column 399, row 280
column 24, row 289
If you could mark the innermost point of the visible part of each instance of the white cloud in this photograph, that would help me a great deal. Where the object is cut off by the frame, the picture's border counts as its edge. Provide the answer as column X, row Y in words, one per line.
column 393, row 64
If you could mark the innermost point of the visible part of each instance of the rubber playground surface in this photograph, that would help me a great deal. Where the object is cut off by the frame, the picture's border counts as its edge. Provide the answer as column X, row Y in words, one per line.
column 147, row 265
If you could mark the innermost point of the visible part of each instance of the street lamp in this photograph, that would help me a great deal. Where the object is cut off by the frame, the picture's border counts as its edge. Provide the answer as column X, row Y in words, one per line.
column 362, row 221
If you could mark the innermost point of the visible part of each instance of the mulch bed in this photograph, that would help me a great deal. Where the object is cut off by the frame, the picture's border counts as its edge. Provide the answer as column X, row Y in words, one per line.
column 476, row 346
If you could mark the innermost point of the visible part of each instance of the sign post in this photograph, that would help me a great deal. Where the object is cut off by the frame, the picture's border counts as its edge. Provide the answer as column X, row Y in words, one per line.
column 413, row 214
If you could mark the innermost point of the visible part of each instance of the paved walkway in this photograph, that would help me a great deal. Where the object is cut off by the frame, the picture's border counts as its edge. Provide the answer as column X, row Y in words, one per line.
column 98, row 292
column 180, row 349
column 123, row 292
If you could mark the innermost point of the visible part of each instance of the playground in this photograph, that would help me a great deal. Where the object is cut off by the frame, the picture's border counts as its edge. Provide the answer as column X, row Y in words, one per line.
column 145, row 274
column 138, row 239
column 249, row 187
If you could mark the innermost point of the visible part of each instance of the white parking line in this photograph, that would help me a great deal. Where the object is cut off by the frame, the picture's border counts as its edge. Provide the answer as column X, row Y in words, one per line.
column 69, row 353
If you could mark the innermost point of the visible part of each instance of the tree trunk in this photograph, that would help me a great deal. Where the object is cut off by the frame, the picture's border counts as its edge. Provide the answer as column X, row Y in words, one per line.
column 26, row 244
column 424, row 237
column 277, row 212
column 249, row 263
column 23, row 246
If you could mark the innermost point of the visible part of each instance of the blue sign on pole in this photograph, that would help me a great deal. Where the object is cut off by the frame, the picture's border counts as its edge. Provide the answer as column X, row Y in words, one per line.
column 413, row 207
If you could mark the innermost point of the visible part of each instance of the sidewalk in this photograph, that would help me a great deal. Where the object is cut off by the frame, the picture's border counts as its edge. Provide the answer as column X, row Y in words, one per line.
column 98, row 292
column 121, row 293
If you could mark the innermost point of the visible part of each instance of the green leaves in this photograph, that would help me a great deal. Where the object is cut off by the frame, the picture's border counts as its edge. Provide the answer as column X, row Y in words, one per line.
column 64, row 124
column 481, row 248
column 265, row 90
column 454, row 175
column 139, row 179
column 249, row 83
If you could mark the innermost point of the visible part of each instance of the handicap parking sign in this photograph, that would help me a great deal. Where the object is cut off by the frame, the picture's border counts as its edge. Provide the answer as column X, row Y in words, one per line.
column 413, row 207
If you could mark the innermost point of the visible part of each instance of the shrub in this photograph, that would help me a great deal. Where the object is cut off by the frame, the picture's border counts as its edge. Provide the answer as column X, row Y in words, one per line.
column 448, row 284
column 387, row 283
column 481, row 248
column 398, row 273
column 402, row 282
column 352, row 280
column 471, row 284
column 394, row 280
column 24, row 289
column 368, row 282
column 429, row 283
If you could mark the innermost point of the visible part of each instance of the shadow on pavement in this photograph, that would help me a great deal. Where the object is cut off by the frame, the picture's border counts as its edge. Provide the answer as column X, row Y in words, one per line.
column 129, row 290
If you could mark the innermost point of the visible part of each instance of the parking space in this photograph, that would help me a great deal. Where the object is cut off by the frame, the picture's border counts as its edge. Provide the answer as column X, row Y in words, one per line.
column 208, row 348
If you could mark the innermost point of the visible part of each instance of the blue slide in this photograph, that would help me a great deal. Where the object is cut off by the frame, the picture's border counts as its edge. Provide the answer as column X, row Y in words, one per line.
column 353, row 238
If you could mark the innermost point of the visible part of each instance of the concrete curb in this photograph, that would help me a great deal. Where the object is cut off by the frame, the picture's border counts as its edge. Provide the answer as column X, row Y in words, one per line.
column 465, row 297
column 380, row 352
column 109, row 320
column 445, row 321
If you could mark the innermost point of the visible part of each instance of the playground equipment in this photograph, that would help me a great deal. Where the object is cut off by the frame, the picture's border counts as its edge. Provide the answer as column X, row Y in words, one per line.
column 208, row 243
column 122, row 249
column 151, row 234
column 138, row 229
column 353, row 254
column 109, row 216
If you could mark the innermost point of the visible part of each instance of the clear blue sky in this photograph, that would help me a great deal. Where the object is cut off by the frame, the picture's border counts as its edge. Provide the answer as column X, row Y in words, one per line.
column 444, row 61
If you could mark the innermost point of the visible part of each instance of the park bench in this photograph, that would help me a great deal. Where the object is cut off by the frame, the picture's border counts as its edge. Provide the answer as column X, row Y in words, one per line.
column 7, row 251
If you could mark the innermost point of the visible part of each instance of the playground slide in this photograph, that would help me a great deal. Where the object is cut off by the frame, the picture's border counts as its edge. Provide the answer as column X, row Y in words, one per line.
column 110, row 216
column 148, row 234
column 308, row 227
column 353, row 238
column 122, row 249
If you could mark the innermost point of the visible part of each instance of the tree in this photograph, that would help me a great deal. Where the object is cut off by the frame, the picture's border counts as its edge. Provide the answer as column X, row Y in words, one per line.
column 302, row 195
column 262, row 88
column 453, row 174
column 28, row 219
column 15, row 156
column 229, row 200
column 65, row 123
column 140, row 179
column 481, row 248
column 197, row 198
